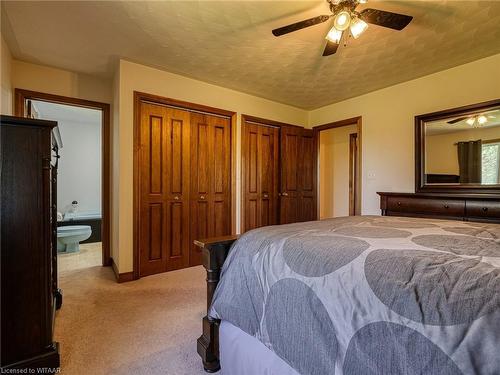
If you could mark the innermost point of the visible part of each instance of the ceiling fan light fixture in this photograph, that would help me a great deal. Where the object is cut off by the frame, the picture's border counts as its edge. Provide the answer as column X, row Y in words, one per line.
column 482, row 119
column 342, row 20
column 334, row 35
column 471, row 121
column 358, row 27
column 362, row 1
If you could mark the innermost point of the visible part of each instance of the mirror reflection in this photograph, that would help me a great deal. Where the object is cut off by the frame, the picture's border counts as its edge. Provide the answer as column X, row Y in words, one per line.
column 464, row 149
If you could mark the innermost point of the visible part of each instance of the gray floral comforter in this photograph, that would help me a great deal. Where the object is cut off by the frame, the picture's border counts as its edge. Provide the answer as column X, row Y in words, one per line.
column 369, row 295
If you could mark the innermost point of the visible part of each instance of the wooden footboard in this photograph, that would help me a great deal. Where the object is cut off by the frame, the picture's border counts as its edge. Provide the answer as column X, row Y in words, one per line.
column 215, row 251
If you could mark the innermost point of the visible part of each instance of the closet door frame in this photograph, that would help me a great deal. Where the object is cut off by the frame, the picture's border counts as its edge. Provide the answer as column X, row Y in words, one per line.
column 140, row 97
column 262, row 122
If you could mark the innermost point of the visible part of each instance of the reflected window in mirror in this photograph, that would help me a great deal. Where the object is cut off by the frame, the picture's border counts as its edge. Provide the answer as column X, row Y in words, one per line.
column 491, row 163
column 463, row 149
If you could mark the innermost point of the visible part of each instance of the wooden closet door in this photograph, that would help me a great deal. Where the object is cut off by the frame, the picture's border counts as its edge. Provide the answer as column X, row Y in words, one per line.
column 261, row 175
column 164, row 189
column 308, row 176
column 298, row 175
column 290, row 185
column 210, row 179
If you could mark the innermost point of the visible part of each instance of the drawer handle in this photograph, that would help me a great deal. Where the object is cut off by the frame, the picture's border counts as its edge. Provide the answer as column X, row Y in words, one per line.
column 446, row 206
column 266, row 196
column 176, row 197
column 485, row 209
column 202, row 197
column 399, row 203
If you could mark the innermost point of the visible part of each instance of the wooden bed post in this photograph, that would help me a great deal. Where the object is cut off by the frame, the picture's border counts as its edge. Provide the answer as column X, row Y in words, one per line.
column 215, row 251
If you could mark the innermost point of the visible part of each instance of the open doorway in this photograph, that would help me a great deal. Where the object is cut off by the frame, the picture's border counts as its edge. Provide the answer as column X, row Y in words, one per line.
column 339, row 159
column 83, row 175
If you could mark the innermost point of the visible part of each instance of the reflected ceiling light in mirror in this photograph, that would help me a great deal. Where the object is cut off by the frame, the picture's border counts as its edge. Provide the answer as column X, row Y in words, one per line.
column 471, row 121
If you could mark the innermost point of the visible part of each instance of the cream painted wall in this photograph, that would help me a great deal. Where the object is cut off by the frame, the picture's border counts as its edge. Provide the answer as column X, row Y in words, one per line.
column 388, row 121
column 79, row 172
column 5, row 72
column 60, row 82
column 141, row 78
column 334, row 171
column 441, row 150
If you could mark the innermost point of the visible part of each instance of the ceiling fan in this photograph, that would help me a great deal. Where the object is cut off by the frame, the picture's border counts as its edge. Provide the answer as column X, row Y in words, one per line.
column 346, row 17
column 472, row 120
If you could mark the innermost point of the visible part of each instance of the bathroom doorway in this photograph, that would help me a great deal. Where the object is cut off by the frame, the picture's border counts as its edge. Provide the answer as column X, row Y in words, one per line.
column 83, row 175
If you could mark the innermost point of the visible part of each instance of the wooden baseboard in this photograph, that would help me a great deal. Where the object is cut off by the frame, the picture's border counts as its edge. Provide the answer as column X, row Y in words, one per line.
column 121, row 277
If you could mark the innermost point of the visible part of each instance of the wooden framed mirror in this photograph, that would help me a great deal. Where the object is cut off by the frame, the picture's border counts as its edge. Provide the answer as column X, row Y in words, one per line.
column 458, row 150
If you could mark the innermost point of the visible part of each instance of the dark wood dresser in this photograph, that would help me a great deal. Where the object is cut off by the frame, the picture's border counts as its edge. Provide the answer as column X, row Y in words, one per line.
column 467, row 207
column 30, row 294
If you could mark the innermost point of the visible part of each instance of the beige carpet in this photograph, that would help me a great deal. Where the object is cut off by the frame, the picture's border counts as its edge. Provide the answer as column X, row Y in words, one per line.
column 148, row 326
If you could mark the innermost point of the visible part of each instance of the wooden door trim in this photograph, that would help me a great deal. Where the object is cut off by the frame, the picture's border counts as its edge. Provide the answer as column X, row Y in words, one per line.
column 358, row 121
column 20, row 97
column 353, row 172
column 263, row 121
column 140, row 97
column 155, row 99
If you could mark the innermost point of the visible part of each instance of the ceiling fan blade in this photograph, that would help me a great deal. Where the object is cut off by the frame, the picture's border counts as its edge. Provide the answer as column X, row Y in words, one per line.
column 386, row 19
column 457, row 120
column 300, row 25
column 330, row 48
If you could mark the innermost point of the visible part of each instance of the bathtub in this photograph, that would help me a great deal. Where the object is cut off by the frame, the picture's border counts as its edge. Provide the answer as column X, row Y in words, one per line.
column 93, row 219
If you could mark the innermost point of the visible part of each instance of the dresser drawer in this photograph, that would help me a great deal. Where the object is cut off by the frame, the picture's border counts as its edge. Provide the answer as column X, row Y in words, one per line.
column 483, row 209
column 434, row 207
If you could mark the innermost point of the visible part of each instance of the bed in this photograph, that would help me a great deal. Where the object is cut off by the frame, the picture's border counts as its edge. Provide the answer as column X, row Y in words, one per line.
column 354, row 295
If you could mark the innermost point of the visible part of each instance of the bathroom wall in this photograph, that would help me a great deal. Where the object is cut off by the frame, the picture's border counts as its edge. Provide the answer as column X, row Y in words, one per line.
column 79, row 173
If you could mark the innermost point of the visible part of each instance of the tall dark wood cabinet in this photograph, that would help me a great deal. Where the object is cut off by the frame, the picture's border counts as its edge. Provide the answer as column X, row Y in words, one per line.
column 30, row 294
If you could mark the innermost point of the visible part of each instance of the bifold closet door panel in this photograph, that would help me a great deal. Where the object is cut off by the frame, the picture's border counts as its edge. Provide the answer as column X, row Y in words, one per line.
column 298, row 158
column 261, row 175
column 210, row 191
column 164, row 189
column 290, row 190
column 308, row 176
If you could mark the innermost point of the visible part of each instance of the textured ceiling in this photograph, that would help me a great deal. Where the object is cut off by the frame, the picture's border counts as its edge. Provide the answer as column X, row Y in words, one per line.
column 229, row 43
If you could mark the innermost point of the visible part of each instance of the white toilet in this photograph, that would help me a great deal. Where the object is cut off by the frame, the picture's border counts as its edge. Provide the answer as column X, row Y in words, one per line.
column 69, row 237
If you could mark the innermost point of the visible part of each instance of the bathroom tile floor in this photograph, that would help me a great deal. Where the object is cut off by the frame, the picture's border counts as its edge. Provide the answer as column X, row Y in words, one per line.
column 90, row 255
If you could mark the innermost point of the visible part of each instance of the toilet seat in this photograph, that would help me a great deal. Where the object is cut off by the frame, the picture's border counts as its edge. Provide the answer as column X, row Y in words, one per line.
column 71, row 230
